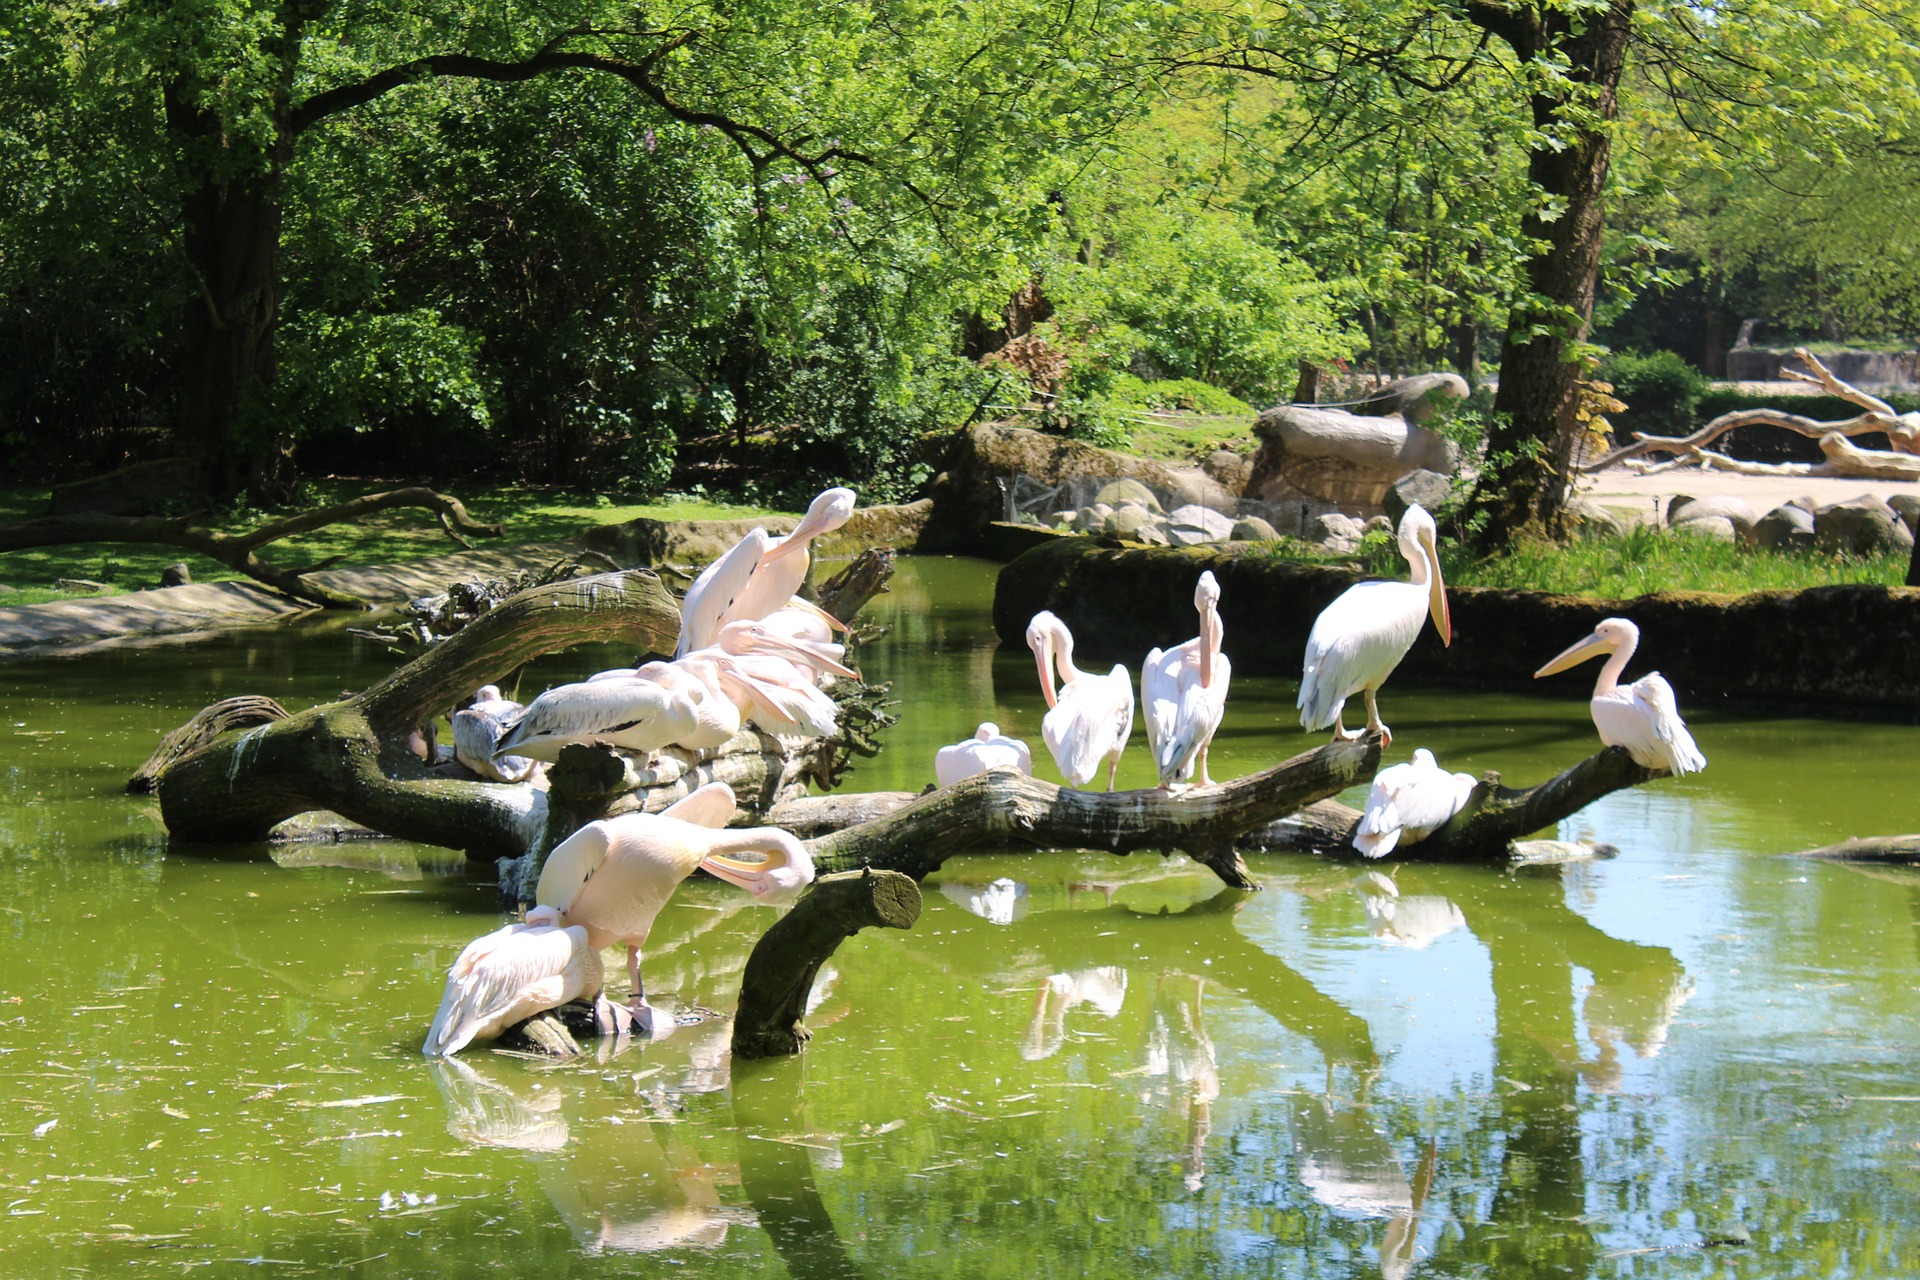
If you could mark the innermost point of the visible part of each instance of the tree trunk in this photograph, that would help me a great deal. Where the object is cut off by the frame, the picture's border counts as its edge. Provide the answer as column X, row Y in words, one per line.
column 1523, row 485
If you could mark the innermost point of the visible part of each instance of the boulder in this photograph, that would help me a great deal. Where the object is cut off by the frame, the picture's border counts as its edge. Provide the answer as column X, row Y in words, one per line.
column 1253, row 529
column 1418, row 399
column 1806, row 502
column 79, row 584
column 1735, row 510
column 1228, row 469
column 1718, row 527
column 1416, row 488
column 1063, row 519
column 1865, row 526
column 1379, row 524
column 1119, row 493
column 1785, row 528
column 1331, row 458
column 1127, row 521
column 1151, row 536
column 176, row 575
column 1336, row 532
column 1588, row 519
column 1191, row 525
column 1907, row 507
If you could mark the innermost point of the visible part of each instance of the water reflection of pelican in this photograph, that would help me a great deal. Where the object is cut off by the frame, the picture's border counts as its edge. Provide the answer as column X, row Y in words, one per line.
column 1347, row 1164
column 1413, row 920
column 1103, row 987
column 1001, row 902
column 482, row 1112
column 1179, row 1049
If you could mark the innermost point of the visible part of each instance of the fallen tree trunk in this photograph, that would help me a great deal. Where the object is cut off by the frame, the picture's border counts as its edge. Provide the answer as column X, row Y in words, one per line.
column 1494, row 817
column 1011, row 810
column 1895, row 849
column 240, row 550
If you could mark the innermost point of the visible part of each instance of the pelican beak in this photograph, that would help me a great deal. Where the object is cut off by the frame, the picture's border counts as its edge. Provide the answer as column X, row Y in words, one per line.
column 812, row 654
column 809, row 607
column 1043, row 658
column 751, row 876
column 765, row 879
column 1436, row 589
column 1590, row 647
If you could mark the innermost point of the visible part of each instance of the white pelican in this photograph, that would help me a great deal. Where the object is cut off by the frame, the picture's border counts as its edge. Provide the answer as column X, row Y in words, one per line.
column 1408, row 803
column 626, row 712
column 1360, row 638
column 758, row 575
column 1091, row 715
column 751, row 671
column 1642, row 716
column 613, row 876
column 986, row 751
column 510, row 975
column 1183, row 692
column 476, row 733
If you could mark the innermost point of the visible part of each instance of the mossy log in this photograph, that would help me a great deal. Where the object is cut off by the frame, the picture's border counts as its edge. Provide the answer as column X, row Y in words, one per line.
column 781, row 969
column 1486, row 828
column 1008, row 810
column 1900, row 850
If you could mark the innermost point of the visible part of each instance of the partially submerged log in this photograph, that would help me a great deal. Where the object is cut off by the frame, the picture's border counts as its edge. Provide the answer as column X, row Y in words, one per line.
column 1008, row 810
column 780, row 971
column 224, row 716
column 1900, row 850
column 1489, row 826
column 1844, row 458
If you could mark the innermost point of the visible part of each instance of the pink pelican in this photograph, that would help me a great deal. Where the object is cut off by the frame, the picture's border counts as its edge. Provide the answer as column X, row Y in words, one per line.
column 1408, row 803
column 1183, row 692
column 758, row 575
column 1360, row 638
column 1091, row 715
column 509, row 976
column 986, row 751
column 1642, row 716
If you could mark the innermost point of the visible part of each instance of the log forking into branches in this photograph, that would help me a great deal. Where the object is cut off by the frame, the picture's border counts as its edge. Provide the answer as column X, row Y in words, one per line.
column 1844, row 458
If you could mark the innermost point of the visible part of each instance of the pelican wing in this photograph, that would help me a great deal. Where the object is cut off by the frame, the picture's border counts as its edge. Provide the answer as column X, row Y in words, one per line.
column 1355, row 643
column 1092, row 721
column 709, row 806
column 714, row 591
column 592, row 711
column 1644, row 718
column 570, row 865
column 506, row 976
column 1160, row 694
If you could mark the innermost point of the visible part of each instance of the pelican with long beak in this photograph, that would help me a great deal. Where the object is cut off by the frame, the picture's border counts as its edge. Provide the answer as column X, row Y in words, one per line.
column 1091, row 715
column 1361, row 637
column 1643, row 716
column 613, row 876
column 1184, row 693
column 758, row 575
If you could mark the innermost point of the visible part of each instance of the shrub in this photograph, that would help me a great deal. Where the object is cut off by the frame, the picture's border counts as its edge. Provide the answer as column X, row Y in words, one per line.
column 1661, row 389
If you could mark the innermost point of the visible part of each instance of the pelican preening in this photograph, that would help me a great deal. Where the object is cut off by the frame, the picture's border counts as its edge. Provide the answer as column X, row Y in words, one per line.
column 476, row 734
column 1360, row 638
column 1091, row 715
column 1183, row 692
column 758, row 576
column 1408, row 803
column 613, row 876
column 987, row 751
column 1642, row 716
column 511, row 974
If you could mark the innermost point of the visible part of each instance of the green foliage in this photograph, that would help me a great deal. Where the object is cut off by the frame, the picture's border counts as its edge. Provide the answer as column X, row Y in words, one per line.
column 1661, row 389
column 1648, row 559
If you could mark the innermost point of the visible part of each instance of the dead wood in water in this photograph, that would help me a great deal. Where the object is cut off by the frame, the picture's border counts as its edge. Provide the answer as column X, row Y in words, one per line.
column 780, row 971
column 1009, row 810
column 1899, row 850
column 224, row 716
column 1494, row 817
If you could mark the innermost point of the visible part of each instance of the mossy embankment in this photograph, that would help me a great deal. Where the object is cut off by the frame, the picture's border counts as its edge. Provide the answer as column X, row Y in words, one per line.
column 1842, row 648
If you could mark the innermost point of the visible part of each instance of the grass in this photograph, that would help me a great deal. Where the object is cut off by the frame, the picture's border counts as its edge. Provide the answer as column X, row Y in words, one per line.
column 386, row 537
column 1646, row 560
column 1188, row 438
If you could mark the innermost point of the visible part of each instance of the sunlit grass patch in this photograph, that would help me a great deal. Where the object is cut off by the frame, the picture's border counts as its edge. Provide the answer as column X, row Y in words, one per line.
column 1646, row 559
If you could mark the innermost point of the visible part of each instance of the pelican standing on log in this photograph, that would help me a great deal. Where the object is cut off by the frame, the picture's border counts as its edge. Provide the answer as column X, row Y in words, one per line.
column 1091, row 715
column 758, row 576
column 1408, row 803
column 1360, row 638
column 613, row 876
column 1643, row 716
column 986, row 751
column 1183, row 692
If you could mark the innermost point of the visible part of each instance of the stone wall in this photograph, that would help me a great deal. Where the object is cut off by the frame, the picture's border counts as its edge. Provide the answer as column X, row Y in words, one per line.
column 1826, row 648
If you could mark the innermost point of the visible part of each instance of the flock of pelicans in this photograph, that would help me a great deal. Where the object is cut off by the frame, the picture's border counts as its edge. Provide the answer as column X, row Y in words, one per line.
column 750, row 650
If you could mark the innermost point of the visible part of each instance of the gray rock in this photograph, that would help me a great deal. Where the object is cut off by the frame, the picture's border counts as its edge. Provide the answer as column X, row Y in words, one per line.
column 1091, row 519
column 1787, row 528
column 1064, row 519
column 1151, row 536
column 1674, row 506
column 1228, row 469
column 1718, row 527
column 1253, row 529
column 1424, row 488
column 1117, row 493
column 79, row 584
column 176, row 575
column 1209, row 524
column 1588, row 519
column 1379, row 524
column 1737, row 510
column 1806, row 502
column 1907, row 507
column 1336, row 532
column 1128, row 521
column 1866, row 526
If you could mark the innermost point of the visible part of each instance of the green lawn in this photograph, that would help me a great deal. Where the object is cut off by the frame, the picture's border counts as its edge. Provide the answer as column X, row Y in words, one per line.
column 1646, row 560
column 387, row 537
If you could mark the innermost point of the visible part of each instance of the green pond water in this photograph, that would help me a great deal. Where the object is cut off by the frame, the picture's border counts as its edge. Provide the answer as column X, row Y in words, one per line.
column 1696, row 1059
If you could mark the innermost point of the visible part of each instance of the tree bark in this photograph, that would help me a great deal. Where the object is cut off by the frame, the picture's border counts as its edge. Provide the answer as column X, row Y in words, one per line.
column 240, row 550
column 1523, row 484
column 1493, row 818
column 1009, row 810
column 1902, row 850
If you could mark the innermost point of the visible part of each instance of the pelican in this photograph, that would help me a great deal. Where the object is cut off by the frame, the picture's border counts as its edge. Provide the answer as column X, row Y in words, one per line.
column 510, row 975
column 1104, row 988
column 1360, row 638
column 1408, row 803
column 476, row 733
column 986, row 751
column 751, row 671
column 758, row 575
column 625, row 712
column 1183, row 692
column 613, row 876
column 1091, row 715
column 1642, row 716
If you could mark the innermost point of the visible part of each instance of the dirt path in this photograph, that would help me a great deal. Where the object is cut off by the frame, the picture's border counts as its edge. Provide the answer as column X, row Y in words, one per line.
column 1636, row 494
